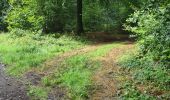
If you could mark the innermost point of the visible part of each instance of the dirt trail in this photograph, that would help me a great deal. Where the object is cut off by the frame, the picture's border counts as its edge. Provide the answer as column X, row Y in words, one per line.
column 11, row 88
column 14, row 89
column 51, row 64
column 104, row 78
column 49, row 67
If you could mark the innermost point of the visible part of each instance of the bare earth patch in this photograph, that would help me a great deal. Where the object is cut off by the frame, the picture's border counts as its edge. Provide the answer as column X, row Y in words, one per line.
column 105, row 81
column 11, row 88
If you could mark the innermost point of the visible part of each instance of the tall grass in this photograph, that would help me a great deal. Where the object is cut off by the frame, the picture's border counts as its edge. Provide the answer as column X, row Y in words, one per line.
column 21, row 53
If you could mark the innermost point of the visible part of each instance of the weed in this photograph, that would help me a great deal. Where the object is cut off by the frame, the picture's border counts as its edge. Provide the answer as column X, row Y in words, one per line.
column 147, row 72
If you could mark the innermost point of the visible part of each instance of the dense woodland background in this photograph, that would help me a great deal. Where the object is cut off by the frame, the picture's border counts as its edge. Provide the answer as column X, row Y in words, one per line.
column 148, row 21
column 60, row 15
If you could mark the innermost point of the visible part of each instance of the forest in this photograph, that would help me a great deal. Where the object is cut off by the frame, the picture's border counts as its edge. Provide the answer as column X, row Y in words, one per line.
column 84, row 49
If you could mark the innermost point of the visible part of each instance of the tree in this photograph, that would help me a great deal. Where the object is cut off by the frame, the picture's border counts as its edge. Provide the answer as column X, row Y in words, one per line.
column 3, row 11
column 79, row 17
column 24, row 14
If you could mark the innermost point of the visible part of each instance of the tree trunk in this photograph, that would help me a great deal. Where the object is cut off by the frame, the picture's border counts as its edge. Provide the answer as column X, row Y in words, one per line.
column 79, row 17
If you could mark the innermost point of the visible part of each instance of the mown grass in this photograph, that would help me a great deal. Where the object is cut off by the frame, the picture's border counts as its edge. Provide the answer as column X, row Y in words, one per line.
column 150, row 79
column 76, row 72
column 22, row 53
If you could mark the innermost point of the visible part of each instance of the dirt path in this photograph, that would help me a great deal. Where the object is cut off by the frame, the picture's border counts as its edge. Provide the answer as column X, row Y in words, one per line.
column 104, row 78
column 14, row 89
column 49, row 67
column 106, row 85
column 11, row 88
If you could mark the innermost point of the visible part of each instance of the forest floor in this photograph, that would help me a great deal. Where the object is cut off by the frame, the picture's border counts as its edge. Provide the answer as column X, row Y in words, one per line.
column 105, row 78
column 11, row 88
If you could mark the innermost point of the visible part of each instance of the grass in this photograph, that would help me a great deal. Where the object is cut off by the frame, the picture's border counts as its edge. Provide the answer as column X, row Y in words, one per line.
column 76, row 72
column 37, row 92
column 22, row 53
column 150, row 80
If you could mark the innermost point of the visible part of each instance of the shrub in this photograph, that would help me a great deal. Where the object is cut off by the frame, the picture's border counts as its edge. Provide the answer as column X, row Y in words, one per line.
column 153, row 77
column 24, row 14
column 151, row 25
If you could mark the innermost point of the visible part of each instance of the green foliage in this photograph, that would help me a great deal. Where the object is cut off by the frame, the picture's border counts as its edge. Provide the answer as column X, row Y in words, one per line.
column 3, row 10
column 24, row 14
column 22, row 50
column 145, row 72
column 151, row 23
column 151, row 26
column 107, row 15
column 150, row 67
column 59, row 14
column 130, row 92
column 93, row 16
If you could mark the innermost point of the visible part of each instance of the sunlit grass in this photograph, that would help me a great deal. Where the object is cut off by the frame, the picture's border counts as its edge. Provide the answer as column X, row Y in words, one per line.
column 22, row 53
column 25, row 52
column 76, row 72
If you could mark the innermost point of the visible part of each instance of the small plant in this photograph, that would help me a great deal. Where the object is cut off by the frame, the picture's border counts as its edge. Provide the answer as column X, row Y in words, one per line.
column 145, row 72
column 38, row 93
column 130, row 92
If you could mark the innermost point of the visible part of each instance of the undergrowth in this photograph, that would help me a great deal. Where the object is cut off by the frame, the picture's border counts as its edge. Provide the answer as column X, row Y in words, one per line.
column 150, row 79
column 22, row 50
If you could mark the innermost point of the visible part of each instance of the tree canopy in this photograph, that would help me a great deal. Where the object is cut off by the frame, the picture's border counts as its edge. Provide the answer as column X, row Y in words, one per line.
column 60, row 15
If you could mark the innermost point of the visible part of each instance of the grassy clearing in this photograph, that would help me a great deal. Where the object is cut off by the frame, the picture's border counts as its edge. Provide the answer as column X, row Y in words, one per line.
column 76, row 72
column 24, row 52
column 21, row 53
column 150, row 80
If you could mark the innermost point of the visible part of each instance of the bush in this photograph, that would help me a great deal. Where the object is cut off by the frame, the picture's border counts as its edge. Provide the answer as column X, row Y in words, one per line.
column 150, row 67
column 151, row 25
column 24, row 14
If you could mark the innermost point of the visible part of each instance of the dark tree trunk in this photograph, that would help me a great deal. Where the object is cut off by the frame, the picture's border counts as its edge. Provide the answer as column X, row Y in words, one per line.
column 79, row 17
